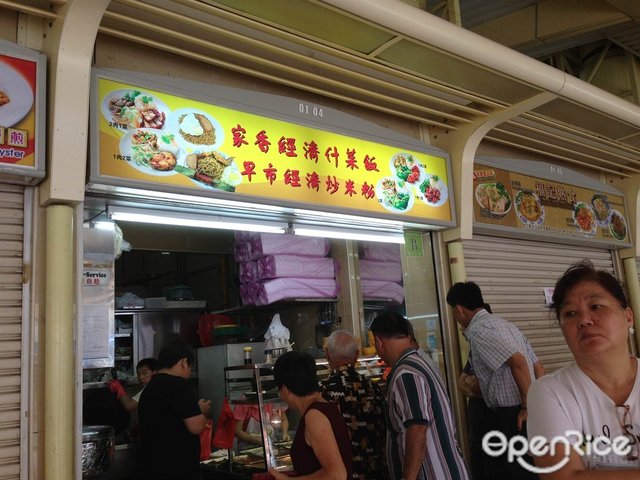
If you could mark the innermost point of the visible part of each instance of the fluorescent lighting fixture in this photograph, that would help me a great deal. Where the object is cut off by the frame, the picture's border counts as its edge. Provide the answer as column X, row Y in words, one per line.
column 102, row 225
column 350, row 219
column 346, row 234
column 184, row 198
column 169, row 217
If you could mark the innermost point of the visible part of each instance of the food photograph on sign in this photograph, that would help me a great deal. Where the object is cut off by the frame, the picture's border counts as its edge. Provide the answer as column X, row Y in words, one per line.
column 150, row 136
column 510, row 199
column 17, row 111
column 493, row 199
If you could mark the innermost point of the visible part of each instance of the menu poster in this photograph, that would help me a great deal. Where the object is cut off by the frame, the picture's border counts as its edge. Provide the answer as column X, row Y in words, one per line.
column 17, row 111
column 509, row 199
column 151, row 137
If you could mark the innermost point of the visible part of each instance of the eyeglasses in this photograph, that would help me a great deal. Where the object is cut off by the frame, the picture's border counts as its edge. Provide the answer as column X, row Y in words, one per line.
column 624, row 416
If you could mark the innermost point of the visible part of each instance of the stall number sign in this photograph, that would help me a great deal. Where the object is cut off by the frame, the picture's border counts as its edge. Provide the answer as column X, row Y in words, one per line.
column 95, row 278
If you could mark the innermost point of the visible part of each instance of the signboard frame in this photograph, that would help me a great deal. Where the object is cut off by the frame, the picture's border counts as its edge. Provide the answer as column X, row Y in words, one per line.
column 560, row 179
column 274, row 108
column 28, row 174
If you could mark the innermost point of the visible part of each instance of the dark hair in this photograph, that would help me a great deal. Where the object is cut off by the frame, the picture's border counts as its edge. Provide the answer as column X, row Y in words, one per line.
column 390, row 324
column 174, row 352
column 467, row 294
column 487, row 307
column 151, row 363
column 586, row 272
column 296, row 371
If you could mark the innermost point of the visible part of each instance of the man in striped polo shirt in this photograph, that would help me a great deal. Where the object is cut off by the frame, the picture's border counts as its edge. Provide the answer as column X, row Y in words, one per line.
column 421, row 435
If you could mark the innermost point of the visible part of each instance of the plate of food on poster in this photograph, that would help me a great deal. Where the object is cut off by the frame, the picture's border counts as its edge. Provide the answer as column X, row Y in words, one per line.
column 433, row 191
column 211, row 169
column 618, row 226
column 585, row 219
column 529, row 209
column 494, row 200
column 132, row 109
column 16, row 96
column 151, row 151
column 601, row 209
column 394, row 195
column 406, row 168
column 196, row 130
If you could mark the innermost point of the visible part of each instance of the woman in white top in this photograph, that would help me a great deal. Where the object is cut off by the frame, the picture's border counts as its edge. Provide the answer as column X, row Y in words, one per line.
column 590, row 409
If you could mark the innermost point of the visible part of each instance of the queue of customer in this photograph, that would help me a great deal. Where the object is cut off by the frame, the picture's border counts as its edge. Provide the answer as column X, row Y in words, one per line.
column 347, row 421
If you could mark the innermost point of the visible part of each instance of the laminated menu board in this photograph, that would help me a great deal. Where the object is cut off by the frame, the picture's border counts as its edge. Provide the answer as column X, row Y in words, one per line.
column 538, row 204
column 249, row 146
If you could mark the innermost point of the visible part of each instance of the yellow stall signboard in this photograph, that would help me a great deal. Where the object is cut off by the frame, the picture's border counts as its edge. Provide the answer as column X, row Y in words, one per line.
column 151, row 137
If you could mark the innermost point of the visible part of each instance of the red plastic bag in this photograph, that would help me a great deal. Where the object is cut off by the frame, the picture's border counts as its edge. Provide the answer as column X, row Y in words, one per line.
column 205, row 441
column 226, row 429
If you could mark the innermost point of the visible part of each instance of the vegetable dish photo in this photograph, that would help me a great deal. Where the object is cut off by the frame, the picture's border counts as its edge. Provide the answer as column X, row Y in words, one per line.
column 618, row 226
column 393, row 195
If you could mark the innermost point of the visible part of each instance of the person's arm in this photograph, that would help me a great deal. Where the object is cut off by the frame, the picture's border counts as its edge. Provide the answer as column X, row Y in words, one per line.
column 128, row 403
column 319, row 436
column 469, row 385
column 284, row 426
column 538, row 369
column 241, row 434
column 414, row 450
column 517, row 363
column 196, row 424
column 574, row 469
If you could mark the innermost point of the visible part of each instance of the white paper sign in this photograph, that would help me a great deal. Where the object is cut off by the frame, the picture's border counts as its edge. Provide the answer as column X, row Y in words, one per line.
column 96, row 277
column 548, row 295
column 96, row 331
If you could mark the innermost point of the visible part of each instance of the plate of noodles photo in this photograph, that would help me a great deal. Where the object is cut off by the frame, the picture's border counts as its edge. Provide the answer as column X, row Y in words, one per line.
column 211, row 169
column 601, row 209
column 528, row 208
column 196, row 129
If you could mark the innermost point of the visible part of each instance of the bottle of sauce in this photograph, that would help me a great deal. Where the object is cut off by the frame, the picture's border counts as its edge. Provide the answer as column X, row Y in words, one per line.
column 247, row 355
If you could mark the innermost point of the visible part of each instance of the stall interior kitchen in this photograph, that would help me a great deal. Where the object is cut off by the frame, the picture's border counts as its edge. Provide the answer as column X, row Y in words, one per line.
column 225, row 293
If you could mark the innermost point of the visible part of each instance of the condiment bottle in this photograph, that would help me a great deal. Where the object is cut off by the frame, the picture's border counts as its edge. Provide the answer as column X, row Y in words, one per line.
column 247, row 355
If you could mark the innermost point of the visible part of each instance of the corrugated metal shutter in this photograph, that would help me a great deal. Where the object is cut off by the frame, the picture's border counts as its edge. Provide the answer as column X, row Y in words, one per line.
column 11, row 261
column 512, row 274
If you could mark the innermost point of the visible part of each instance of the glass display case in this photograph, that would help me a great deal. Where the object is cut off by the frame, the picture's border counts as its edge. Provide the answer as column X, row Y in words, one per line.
column 262, row 415
column 254, row 397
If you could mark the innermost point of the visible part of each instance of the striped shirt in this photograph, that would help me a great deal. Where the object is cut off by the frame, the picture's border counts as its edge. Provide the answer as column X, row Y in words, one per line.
column 493, row 340
column 416, row 395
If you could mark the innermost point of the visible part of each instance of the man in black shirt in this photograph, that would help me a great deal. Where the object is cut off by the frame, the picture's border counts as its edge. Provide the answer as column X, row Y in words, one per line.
column 171, row 418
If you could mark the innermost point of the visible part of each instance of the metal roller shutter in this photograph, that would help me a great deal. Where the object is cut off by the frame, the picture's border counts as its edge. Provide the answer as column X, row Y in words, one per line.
column 512, row 274
column 11, row 260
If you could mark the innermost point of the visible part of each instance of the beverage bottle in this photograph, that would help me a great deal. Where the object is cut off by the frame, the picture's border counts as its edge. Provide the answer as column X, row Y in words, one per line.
column 247, row 355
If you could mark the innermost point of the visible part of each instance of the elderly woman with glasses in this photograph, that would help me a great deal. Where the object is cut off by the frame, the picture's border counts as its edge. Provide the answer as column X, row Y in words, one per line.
column 321, row 448
column 589, row 410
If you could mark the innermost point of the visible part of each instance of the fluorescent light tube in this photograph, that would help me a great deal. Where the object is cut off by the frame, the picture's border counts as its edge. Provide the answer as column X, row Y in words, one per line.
column 346, row 234
column 168, row 217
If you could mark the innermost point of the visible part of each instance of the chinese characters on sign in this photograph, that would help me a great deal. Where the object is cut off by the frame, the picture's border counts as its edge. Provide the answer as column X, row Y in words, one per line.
column 150, row 136
column 510, row 199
